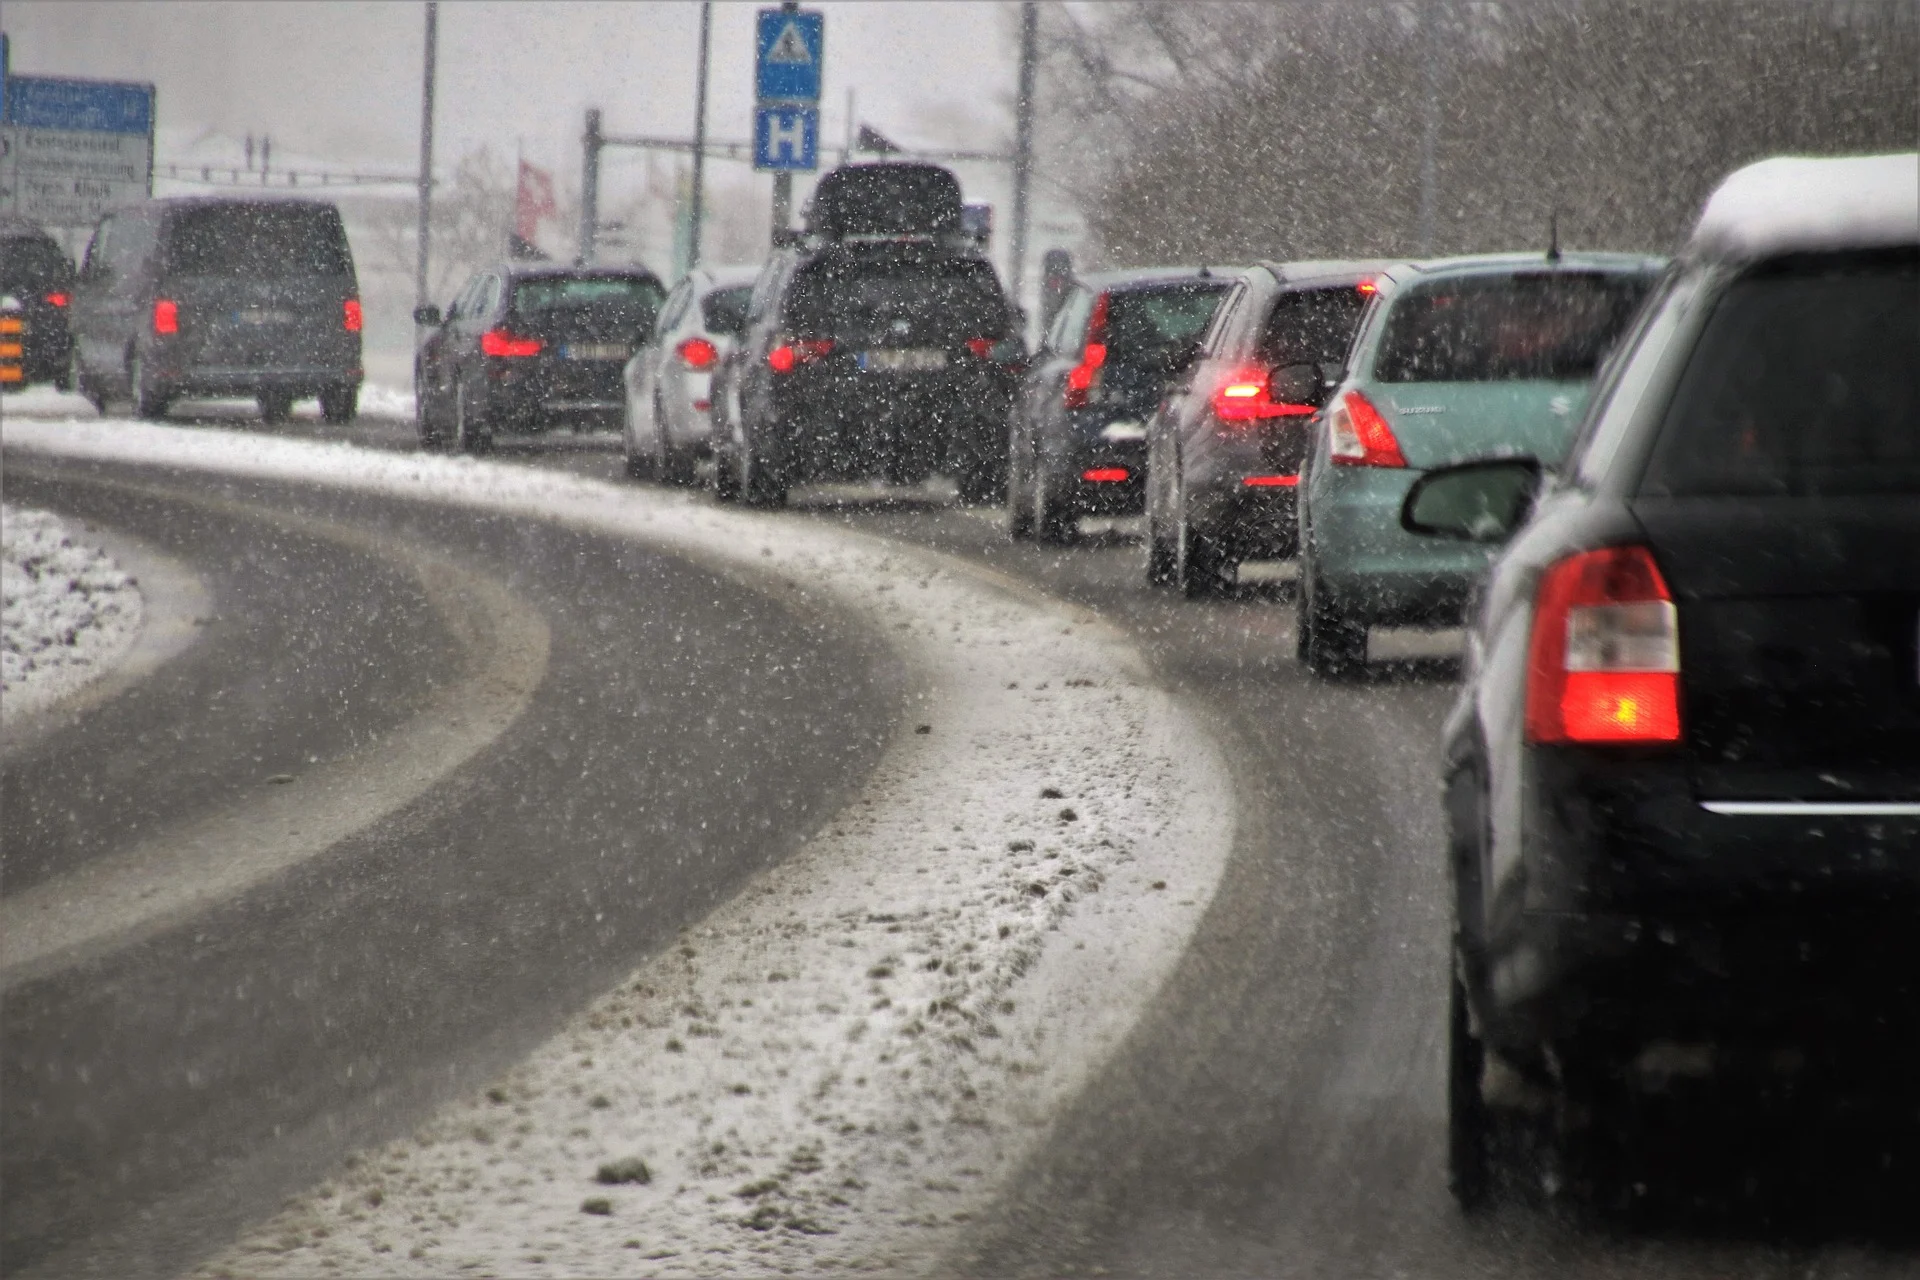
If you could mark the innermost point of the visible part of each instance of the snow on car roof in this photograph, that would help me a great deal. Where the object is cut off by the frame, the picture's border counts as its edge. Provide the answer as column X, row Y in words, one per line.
column 1794, row 204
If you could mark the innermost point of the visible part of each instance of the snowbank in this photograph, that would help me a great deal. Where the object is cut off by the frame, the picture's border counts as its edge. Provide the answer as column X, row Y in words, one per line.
column 839, row 1068
column 69, row 613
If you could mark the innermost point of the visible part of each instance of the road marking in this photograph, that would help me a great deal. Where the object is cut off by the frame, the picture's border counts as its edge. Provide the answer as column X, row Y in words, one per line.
column 138, row 892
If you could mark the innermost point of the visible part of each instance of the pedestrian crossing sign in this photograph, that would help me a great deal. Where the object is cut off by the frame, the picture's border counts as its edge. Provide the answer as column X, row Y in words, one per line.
column 788, row 45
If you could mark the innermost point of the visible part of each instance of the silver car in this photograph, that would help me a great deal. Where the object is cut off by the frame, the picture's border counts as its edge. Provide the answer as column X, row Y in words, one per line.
column 669, row 382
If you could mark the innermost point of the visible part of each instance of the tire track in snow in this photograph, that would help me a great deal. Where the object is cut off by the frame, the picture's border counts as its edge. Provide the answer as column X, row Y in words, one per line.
column 837, row 1069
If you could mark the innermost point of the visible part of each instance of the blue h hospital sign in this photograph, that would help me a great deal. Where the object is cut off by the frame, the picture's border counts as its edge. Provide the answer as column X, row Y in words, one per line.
column 786, row 137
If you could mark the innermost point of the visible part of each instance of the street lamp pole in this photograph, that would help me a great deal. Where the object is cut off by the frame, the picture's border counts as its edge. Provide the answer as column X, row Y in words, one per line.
column 700, row 135
column 426, row 150
column 590, row 186
column 1023, row 145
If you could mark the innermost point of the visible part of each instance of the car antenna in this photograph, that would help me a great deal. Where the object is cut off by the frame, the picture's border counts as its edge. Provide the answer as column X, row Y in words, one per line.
column 1553, row 235
column 1204, row 273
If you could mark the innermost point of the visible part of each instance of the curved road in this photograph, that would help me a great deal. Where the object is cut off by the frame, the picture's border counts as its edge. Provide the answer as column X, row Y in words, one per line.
column 686, row 733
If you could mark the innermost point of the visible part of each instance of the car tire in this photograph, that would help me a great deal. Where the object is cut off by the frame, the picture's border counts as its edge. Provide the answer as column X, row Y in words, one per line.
column 275, row 406
column 150, row 403
column 1199, row 566
column 672, row 466
column 1469, row 1128
column 1161, row 564
column 726, row 476
column 1019, row 503
column 86, row 386
column 758, row 487
column 425, row 426
column 1328, row 642
column 339, row 405
column 1055, row 522
column 470, row 433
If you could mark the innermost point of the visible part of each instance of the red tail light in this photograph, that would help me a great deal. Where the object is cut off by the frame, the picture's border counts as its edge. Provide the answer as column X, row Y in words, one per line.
column 350, row 315
column 1105, row 475
column 1360, row 436
column 1247, row 396
column 57, row 299
column 1368, row 287
column 1270, row 482
column 166, row 316
column 1084, row 378
column 1603, row 661
column 697, row 353
column 982, row 347
column 502, row 342
column 799, row 351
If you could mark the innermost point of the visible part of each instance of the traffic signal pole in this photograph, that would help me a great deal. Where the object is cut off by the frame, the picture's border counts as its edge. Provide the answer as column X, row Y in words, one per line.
column 700, row 136
column 1023, row 147
column 589, row 185
column 426, row 150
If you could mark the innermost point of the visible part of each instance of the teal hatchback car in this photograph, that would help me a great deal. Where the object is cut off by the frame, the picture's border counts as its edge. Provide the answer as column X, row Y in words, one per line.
column 1456, row 358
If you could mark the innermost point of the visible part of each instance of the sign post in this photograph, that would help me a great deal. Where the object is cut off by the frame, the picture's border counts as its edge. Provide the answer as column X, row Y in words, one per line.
column 789, row 46
column 72, row 151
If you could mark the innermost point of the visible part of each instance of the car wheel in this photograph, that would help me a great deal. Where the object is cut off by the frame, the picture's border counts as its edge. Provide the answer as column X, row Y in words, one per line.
column 87, row 386
column 1199, row 568
column 672, row 465
column 149, row 402
column 275, row 406
column 1469, row 1151
column 65, row 379
column 470, row 434
column 424, row 423
column 1019, row 508
column 1054, row 521
column 758, row 486
column 1328, row 642
column 338, row 405
column 726, row 475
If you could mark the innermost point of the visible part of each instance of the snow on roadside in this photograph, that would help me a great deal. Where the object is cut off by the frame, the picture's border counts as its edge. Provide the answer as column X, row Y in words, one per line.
column 67, row 611
column 377, row 400
column 836, row 1070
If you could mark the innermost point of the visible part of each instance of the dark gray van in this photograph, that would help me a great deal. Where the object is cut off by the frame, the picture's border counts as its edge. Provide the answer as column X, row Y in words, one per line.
column 220, row 296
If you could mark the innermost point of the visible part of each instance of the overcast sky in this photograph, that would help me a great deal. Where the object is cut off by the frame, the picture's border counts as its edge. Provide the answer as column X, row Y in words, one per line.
column 340, row 80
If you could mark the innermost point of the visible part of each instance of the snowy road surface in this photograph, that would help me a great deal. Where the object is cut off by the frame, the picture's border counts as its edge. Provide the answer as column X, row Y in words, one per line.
column 70, row 611
column 1277, row 1109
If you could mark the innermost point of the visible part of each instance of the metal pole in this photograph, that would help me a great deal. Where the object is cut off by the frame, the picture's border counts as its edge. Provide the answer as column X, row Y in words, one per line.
column 1023, row 146
column 782, row 199
column 700, row 135
column 589, row 185
column 1430, row 131
column 426, row 150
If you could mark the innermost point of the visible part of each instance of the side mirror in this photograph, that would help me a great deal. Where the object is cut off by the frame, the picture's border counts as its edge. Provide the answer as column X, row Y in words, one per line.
column 1481, row 501
column 1297, row 384
column 428, row 316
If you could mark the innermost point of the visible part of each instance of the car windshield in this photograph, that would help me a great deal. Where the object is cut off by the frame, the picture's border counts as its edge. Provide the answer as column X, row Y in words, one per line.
column 725, row 310
column 945, row 301
column 1805, row 382
column 1553, row 326
column 1144, row 321
column 241, row 240
column 627, row 297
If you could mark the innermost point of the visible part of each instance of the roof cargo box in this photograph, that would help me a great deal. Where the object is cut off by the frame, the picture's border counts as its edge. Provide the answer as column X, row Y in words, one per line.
column 887, row 199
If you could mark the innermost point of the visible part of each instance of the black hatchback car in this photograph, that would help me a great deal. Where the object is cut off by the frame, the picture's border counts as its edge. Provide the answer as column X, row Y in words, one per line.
column 1226, row 448
column 37, row 274
column 878, row 345
column 527, row 346
column 217, row 296
column 1683, row 777
column 1077, row 436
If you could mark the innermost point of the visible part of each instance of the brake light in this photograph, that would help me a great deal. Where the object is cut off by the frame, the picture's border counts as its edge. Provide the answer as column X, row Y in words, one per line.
column 1359, row 436
column 697, row 353
column 1247, row 396
column 1105, row 475
column 787, row 355
column 1270, row 482
column 982, row 347
column 350, row 315
column 1368, row 287
column 503, row 342
column 57, row 299
column 166, row 316
column 1084, row 378
column 1603, row 660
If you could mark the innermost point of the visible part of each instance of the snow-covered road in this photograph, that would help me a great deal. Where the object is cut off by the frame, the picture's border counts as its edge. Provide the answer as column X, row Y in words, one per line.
column 839, row 1067
column 70, row 613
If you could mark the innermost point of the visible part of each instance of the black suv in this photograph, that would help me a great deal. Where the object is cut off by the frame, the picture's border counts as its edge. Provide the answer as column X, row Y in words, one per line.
column 37, row 274
column 1078, row 433
column 528, row 346
column 217, row 296
column 878, row 345
column 1683, row 777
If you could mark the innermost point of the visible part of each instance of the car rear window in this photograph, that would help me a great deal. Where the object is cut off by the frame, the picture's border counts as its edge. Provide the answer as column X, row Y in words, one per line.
column 1145, row 320
column 1312, row 326
column 1803, row 382
column 30, row 262
column 271, row 240
column 725, row 310
column 1529, row 326
column 946, row 301
column 631, row 298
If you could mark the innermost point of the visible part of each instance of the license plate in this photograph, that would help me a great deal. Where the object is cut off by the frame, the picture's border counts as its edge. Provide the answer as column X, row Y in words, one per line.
column 903, row 360
column 595, row 351
column 264, row 316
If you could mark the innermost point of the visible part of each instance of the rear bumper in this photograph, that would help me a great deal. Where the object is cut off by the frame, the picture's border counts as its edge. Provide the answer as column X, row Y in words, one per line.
column 830, row 425
column 229, row 380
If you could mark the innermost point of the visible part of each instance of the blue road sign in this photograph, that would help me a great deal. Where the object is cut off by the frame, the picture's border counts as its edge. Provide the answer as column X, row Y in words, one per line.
column 79, row 106
column 787, row 50
column 786, row 137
